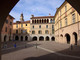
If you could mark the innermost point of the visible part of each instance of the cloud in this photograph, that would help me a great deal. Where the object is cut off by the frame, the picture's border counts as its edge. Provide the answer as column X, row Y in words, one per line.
column 36, row 7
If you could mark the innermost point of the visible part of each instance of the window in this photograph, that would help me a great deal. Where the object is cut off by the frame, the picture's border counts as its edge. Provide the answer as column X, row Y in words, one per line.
column 16, row 31
column 26, row 24
column 73, row 18
column 39, row 26
column 5, row 29
column 65, row 8
column 10, row 30
column 17, row 26
column 10, row 23
column 21, row 25
column 7, row 21
column 52, row 31
column 60, row 12
column 66, row 21
column 46, row 26
column 33, row 32
column 51, row 20
column 21, row 31
column 52, row 26
column 46, row 32
column 39, row 32
column 60, row 24
column 32, row 26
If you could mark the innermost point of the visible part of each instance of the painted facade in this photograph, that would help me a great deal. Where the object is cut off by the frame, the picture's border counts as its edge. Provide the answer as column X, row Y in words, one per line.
column 67, row 25
column 42, row 28
column 7, row 30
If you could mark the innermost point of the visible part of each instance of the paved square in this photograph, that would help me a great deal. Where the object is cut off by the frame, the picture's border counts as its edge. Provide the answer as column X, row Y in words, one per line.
column 44, row 51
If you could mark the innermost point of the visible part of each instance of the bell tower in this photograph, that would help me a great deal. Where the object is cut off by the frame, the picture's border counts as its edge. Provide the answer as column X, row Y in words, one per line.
column 22, row 18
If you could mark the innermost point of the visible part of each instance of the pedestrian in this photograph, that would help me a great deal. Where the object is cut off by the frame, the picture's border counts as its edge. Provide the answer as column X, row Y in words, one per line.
column 36, row 45
column 5, row 45
column 71, row 47
column 25, row 45
column 15, row 45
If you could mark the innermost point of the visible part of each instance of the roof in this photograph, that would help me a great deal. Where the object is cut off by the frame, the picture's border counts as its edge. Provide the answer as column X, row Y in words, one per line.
column 60, row 7
column 11, row 16
column 19, row 22
column 42, row 17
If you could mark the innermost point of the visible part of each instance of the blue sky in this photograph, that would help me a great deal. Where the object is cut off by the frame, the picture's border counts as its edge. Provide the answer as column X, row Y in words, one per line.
column 35, row 7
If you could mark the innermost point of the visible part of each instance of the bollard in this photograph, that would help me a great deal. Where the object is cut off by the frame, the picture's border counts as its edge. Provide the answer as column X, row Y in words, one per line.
column 36, row 45
column 71, row 47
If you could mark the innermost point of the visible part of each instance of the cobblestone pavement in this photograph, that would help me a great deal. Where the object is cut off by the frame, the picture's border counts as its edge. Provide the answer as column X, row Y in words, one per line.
column 31, row 52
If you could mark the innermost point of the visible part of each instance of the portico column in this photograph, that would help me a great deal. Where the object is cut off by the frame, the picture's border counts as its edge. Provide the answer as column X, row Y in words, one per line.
column 49, row 20
column 37, row 38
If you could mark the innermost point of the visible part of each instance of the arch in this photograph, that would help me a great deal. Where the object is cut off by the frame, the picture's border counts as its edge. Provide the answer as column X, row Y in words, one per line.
column 40, row 21
column 47, row 20
column 67, row 38
column 61, row 35
column 53, row 38
column 5, row 37
column 51, row 20
column 34, row 38
column 41, row 38
column 21, row 38
column 35, row 21
column 75, row 37
column 47, row 38
column 26, row 38
column 16, row 38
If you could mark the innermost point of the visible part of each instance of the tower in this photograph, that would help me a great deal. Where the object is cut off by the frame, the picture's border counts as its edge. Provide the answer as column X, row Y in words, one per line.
column 22, row 18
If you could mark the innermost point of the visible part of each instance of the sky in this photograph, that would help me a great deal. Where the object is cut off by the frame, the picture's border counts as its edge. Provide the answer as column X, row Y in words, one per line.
column 35, row 7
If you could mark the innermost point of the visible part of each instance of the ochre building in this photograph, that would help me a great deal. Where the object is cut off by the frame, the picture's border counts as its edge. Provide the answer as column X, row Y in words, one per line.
column 7, row 30
column 42, row 28
column 21, row 30
column 67, row 25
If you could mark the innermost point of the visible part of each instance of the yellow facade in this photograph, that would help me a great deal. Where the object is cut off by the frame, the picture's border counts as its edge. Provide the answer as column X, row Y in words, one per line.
column 19, row 28
column 68, row 14
column 66, row 22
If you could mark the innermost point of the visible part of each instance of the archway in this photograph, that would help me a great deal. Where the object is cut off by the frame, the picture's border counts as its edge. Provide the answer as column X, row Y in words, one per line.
column 26, row 38
column 53, row 38
column 67, row 38
column 21, row 38
column 41, row 38
column 34, row 38
column 75, row 37
column 47, row 38
column 16, row 38
column 5, row 37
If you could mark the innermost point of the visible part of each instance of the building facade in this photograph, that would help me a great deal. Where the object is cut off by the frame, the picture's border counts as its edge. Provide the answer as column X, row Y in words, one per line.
column 42, row 28
column 67, row 25
column 21, row 30
column 7, row 30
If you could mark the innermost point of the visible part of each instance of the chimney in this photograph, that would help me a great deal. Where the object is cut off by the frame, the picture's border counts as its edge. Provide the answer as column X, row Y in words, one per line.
column 49, row 14
column 32, row 15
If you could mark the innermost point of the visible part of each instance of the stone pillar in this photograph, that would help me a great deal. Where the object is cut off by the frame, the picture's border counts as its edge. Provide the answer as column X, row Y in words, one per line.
column 49, row 20
column 37, row 38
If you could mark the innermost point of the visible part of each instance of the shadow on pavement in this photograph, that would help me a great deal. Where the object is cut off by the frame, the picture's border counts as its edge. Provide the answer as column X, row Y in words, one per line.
column 6, row 50
column 51, row 57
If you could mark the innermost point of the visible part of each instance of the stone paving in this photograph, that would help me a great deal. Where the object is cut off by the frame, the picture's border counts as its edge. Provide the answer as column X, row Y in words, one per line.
column 31, row 53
